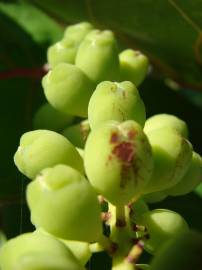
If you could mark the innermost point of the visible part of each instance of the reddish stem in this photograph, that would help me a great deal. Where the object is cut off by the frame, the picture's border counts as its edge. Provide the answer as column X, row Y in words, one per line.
column 36, row 73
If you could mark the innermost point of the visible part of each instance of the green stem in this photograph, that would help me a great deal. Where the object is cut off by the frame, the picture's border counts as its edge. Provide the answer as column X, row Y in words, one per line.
column 107, row 244
column 135, row 252
column 120, row 216
column 120, row 263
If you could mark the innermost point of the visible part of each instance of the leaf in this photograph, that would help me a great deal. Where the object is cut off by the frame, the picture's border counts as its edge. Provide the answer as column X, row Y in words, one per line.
column 33, row 21
column 25, row 33
column 20, row 97
column 159, row 98
column 169, row 32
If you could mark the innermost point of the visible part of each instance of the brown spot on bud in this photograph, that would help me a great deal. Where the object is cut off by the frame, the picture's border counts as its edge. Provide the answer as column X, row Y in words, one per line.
column 114, row 137
column 147, row 236
column 120, row 223
column 140, row 244
column 137, row 53
column 135, row 227
column 101, row 199
column 113, row 248
column 132, row 134
column 134, row 241
column 124, row 152
column 124, row 94
column 130, row 259
column 105, row 216
column 85, row 130
column 129, row 205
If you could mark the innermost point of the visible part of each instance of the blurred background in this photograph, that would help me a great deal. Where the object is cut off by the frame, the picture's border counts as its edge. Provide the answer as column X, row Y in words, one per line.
column 168, row 32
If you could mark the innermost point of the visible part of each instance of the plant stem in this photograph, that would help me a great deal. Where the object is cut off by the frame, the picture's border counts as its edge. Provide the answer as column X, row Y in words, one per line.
column 120, row 216
column 120, row 263
column 107, row 244
column 36, row 73
column 135, row 252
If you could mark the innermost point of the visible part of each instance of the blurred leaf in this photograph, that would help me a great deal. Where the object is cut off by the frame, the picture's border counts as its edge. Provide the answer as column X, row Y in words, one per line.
column 33, row 21
column 159, row 98
column 19, row 98
column 194, row 97
column 169, row 32
column 25, row 33
column 28, row 33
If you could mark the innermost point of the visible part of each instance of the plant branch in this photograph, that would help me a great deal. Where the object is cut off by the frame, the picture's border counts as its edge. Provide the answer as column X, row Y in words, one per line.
column 36, row 73
column 120, row 216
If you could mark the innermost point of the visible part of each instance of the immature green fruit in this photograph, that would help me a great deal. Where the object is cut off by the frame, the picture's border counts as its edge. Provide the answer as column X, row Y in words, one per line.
column 60, row 199
column 182, row 252
column 68, row 89
column 172, row 155
column 77, row 134
column 34, row 251
column 155, row 197
column 46, row 117
column 40, row 149
column 191, row 179
column 118, row 161
column 65, row 50
column 97, row 56
column 166, row 120
column 78, row 31
column 162, row 225
column 81, row 250
column 133, row 66
column 115, row 101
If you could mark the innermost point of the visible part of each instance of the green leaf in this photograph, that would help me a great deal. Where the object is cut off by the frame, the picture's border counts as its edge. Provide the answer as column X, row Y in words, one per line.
column 169, row 32
column 159, row 98
column 33, row 21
